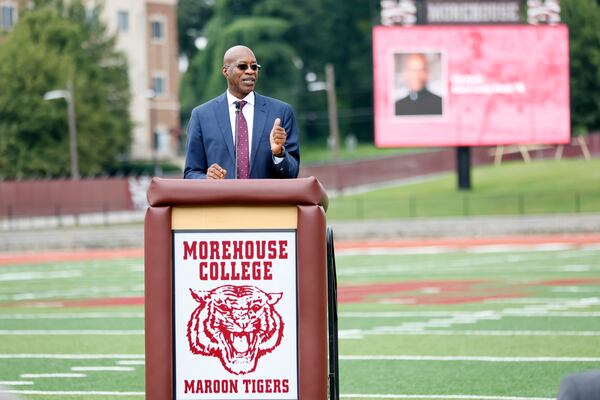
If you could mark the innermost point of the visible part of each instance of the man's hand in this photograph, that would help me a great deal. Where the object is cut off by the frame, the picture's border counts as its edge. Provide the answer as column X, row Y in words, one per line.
column 215, row 172
column 277, row 138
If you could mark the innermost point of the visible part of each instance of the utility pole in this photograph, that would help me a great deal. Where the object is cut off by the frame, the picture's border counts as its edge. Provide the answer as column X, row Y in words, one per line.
column 69, row 96
column 72, row 131
column 334, row 131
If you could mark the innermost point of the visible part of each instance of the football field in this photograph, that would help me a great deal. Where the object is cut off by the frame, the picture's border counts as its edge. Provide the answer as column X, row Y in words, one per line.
column 484, row 319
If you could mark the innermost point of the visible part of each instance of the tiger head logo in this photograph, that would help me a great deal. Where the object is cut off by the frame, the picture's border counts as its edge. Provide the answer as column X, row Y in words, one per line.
column 237, row 324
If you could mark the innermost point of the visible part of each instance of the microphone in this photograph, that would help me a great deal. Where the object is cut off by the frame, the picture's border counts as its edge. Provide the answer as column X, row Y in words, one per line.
column 238, row 107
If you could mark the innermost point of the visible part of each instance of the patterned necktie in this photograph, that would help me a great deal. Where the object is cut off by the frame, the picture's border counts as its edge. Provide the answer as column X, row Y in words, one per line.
column 243, row 153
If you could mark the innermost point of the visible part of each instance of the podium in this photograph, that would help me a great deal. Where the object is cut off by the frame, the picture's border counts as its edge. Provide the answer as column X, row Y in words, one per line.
column 236, row 290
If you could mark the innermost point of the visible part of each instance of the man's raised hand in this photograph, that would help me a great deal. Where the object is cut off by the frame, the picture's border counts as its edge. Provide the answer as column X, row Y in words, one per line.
column 277, row 138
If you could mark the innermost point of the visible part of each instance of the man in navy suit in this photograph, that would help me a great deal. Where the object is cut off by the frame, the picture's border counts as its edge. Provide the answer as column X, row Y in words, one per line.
column 267, row 130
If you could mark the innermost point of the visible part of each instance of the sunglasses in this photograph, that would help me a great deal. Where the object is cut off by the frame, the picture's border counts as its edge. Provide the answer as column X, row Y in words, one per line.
column 253, row 67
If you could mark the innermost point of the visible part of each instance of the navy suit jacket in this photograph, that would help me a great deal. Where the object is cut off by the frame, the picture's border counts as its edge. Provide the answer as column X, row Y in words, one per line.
column 210, row 140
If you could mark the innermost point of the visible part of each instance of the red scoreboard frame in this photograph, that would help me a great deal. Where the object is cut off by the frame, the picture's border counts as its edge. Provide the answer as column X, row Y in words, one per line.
column 484, row 85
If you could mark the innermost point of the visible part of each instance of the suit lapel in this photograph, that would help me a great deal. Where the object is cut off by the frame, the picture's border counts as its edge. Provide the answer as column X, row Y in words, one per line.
column 260, row 117
column 222, row 115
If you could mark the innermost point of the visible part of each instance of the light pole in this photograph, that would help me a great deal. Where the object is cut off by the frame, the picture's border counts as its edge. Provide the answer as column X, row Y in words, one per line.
column 329, row 87
column 151, row 95
column 69, row 98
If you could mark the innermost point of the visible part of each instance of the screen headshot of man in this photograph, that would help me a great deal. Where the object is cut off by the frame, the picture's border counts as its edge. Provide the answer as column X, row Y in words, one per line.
column 415, row 77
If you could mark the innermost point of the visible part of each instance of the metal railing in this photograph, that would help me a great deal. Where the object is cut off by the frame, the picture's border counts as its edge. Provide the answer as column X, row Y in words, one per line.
column 25, row 215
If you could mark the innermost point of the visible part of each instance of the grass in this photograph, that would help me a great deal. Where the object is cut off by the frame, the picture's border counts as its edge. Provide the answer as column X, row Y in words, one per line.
column 541, row 187
column 411, row 305
column 321, row 154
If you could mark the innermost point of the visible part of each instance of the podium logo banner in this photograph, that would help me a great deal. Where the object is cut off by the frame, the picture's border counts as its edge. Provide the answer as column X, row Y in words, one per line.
column 235, row 314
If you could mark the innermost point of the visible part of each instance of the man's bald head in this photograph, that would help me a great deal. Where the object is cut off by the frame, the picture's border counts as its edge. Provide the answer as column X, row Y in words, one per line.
column 241, row 70
column 416, row 72
column 236, row 52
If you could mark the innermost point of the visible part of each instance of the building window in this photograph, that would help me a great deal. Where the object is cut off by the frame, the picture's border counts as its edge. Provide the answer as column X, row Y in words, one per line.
column 8, row 14
column 158, row 85
column 158, row 30
column 122, row 21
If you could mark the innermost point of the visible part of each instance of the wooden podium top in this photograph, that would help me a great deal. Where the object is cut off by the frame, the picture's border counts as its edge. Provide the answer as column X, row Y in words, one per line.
column 194, row 192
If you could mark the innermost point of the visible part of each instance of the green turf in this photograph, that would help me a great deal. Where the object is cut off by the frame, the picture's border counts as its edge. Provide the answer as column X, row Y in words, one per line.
column 315, row 154
column 453, row 378
column 533, row 278
column 88, row 344
column 514, row 188
column 499, row 346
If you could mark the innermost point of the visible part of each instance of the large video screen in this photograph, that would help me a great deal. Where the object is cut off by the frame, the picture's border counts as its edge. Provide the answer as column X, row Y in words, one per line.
column 471, row 85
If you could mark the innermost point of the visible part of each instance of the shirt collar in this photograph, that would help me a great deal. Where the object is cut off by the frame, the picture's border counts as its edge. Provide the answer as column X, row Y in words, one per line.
column 232, row 99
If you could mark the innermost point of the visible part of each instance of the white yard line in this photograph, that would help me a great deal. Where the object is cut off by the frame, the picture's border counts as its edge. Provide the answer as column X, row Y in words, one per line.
column 438, row 397
column 502, row 248
column 448, row 321
column 16, row 383
column 131, row 362
column 38, row 275
column 101, row 368
column 360, row 334
column 75, row 293
column 510, row 313
column 468, row 358
column 74, row 393
column 576, row 289
column 527, row 300
column 55, row 375
column 73, row 316
column 72, row 356
column 386, row 251
column 71, row 332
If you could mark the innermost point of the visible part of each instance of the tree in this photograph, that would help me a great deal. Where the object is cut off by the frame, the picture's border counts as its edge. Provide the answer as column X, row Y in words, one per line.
column 341, row 35
column 51, row 44
column 291, row 39
column 280, row 75
column 191, row 17
column 583, row 19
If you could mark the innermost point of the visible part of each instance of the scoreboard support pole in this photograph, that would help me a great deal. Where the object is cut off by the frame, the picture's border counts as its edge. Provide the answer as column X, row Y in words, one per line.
column 463, row 167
